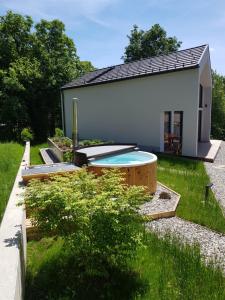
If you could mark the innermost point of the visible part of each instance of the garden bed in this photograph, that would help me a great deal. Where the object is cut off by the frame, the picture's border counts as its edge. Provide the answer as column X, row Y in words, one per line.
column 60, row 146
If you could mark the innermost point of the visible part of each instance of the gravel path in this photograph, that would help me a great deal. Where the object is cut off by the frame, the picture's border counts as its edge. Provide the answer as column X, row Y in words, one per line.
column 216, row 172
column 212, row 244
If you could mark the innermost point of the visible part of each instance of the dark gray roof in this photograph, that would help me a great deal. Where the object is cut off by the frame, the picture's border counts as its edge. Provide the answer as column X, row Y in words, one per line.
column 176, row 61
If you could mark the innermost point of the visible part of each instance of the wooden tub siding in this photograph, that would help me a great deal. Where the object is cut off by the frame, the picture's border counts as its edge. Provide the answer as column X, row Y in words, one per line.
column 137, row 175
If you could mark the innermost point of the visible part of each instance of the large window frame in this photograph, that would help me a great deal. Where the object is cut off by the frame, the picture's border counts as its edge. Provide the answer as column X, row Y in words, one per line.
column 172, row 132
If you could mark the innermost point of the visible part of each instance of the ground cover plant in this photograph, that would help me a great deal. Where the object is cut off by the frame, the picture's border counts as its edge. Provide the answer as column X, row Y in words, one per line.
column 188, row 177
column 11, row 155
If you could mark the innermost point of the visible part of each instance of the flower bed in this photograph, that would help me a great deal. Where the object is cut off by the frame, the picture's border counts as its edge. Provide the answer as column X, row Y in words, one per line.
column 60, row 146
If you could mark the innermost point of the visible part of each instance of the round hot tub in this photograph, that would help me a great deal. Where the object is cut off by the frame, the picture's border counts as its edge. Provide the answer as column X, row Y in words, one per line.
column 139, row 167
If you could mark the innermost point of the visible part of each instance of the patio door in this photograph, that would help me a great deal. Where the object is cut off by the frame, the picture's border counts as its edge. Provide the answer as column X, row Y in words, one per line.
column 167, row 129
column 173, row 131
column 178, row 130
column 199, row 125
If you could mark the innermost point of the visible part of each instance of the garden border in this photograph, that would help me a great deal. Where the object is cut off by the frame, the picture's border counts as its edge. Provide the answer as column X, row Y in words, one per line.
column 13, row 239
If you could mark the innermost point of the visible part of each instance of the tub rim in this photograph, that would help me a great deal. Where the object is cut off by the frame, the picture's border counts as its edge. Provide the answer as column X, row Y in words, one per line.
column 152, row 160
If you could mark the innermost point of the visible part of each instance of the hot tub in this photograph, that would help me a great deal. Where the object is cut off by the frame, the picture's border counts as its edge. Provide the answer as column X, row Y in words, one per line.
column 139, row 167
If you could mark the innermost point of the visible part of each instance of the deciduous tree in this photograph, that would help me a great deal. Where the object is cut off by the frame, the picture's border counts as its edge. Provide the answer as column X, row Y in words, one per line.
column 143, row 44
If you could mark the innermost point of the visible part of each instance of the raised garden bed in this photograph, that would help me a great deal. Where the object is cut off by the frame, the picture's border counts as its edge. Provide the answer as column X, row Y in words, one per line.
column 60, row 147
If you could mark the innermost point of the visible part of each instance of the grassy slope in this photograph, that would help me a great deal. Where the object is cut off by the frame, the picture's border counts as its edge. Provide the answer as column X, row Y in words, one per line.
column 188, row 177
column 11, row 155
column 35, row 157
column 161, row 271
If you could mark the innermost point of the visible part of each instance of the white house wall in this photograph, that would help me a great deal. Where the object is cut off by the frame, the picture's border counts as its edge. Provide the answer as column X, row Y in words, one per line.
column 131, row 110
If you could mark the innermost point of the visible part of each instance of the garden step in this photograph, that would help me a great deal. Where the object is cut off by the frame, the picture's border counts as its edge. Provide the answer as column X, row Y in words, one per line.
column 48, row 156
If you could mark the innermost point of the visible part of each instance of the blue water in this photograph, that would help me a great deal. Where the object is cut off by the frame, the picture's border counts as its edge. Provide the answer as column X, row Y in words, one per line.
column 134, row 157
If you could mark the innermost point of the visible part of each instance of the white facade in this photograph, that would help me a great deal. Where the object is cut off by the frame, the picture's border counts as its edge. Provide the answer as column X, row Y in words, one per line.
column 132, row 111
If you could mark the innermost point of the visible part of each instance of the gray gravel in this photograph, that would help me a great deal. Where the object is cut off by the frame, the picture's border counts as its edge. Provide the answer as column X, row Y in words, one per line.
column 216, row 172
column 157, row 205
column 212, row 244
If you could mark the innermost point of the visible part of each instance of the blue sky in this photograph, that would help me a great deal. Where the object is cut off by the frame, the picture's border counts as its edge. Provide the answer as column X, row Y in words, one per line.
column 99, row 27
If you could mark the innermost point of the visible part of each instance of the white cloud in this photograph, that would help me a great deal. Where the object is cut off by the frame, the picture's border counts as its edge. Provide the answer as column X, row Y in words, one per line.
column 68, row 10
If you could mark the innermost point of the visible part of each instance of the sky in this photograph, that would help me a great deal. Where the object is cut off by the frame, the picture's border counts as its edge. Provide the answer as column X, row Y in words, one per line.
column 99, row 28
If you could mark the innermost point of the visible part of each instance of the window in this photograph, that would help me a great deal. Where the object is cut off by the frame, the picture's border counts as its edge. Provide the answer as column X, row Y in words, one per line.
column 173, row 129
column 167, row 129
column 200, row 96
column 178, row 124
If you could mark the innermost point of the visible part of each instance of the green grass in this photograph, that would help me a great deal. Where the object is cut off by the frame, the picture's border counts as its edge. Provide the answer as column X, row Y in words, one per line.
column 188, row 178
column 35, row 157
column 11, row 155
column 161, row 270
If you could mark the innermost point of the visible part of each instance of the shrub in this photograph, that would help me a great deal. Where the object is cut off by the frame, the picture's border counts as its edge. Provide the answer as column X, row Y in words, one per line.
column 26, row 135
column 90, row 142
column 97, row 217
column 68, row 156
column 58, row 132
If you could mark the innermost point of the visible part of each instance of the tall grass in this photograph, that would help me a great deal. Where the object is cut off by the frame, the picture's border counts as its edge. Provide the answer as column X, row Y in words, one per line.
column 188, row 178
column 161, row 270
column 10, row 158
column 174, row 271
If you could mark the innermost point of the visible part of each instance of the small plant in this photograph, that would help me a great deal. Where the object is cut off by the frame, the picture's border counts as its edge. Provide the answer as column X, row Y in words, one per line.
column 68, row 156
column 164, row 195
column 26, row 135
column 90, row 142
column 58, row 133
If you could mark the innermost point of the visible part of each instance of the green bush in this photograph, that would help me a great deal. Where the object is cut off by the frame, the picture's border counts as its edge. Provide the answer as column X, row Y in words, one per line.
column 68, row 156
column 26, row 135
column 90, row 142
column 97, row 217
column 58, row 132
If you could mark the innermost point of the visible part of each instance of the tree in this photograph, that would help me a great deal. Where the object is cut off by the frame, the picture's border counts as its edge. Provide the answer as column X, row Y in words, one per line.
column 34, row 63
column 86, row 66
column 143, row 44
column 218, row 106
column 59, row 64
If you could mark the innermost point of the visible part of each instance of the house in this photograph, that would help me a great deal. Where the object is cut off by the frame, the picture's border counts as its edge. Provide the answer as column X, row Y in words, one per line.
column 162, row 103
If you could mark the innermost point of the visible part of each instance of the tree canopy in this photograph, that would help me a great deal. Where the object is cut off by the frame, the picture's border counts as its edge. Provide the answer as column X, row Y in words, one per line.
column 143, row 44
column 35, row 61
column 218, row 106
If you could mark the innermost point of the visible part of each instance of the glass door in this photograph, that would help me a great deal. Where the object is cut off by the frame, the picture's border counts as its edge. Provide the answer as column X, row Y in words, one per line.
column 167, row 130
column 177, row 131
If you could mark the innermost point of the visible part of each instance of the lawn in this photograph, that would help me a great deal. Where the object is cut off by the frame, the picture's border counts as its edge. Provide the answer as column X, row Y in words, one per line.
column 161, row 270
column 35, row 157
column 11, row 155
column 188, row 178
